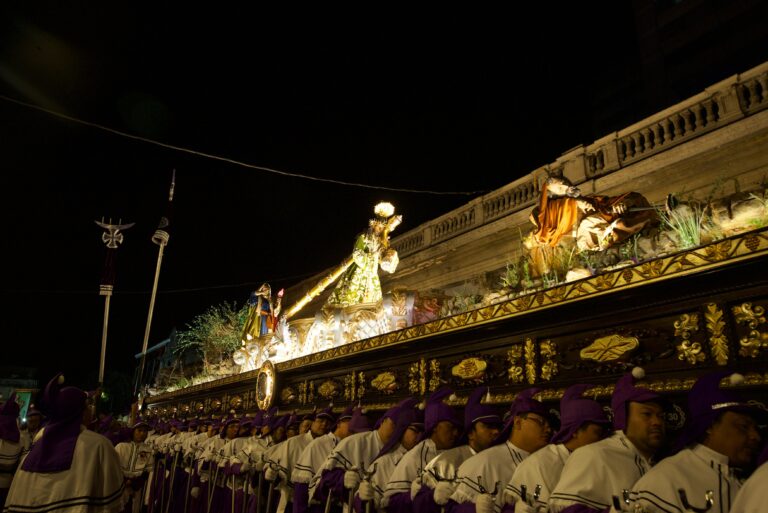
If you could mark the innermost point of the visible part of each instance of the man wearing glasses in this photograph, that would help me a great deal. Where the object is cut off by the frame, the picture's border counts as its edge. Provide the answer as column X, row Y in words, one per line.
column 482, row 477
column 596, row 473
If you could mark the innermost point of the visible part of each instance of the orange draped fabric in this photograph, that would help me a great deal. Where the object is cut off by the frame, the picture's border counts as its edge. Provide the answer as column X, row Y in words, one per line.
column 556, row 219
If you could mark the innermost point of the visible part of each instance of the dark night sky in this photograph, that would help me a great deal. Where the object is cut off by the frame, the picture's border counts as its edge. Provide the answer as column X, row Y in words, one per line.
column 445, row 100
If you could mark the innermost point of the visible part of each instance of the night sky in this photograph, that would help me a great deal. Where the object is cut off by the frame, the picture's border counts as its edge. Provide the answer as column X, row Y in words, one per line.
column 438, row 100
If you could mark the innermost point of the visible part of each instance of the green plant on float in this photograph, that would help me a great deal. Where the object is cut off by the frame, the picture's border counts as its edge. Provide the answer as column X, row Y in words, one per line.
column 214, row 334
column 685, row 225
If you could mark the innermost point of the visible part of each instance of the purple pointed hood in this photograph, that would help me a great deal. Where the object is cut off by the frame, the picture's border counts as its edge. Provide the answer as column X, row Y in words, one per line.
column 575, row 411
column 326, row 413
column 64, row 408
column 706, row 401
column 523, row 403
column 437, row 411
column 407, row 415
column 474, row 411
column 9, row 412
column 626, row 392
column 258, row 419
column 359, row 422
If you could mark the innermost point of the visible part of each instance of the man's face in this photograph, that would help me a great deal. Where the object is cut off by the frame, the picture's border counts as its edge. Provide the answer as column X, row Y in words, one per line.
column 587, row 434
column 410, row 438
column 386, row 429
column 278, row 435
column 445, row 435
column 320, row 426
column 482, row 435
column 646, row 426
column 211, row 431
column 306, row 425
column 342, row 429
column 734, row 435
column 292, row 431
column 33, row 422
column 531, row 432
column 232, row 431
column 140, row 434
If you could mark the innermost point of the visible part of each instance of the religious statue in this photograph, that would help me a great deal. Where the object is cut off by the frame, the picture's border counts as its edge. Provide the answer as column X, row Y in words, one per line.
column 262, row 314
column 599, row 222
column 360, row 281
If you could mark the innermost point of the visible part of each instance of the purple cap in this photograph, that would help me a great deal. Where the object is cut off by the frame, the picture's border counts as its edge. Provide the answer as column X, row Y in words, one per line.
column 270, row 417
column 359, row 422
column 293, row 420
column 104, row 424
column 706, row 401
column 407, row 415
column 437, row 411
column 326, row 413
column 258, row 419
column 9, row 412
column 139, row 424
column 626, row 392
column 64, row 407
column 282, row 421
column 346, row 414
column 523, row 403
column 476, row 412
column 575, row 411
column 310, row 415
column 226, row 424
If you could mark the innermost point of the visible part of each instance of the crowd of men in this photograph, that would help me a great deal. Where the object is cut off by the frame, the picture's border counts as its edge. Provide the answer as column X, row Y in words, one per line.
column 416, row 458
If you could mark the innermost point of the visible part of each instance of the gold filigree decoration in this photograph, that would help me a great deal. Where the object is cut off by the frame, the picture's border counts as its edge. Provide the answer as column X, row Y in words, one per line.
column 754, row 342
column 688, row 351
column 434, row 375
column 287, row 394
column 470, row 369
column 360, row 385
column 328, row 389
column 718, row 251
column 718, row 343
column 311, row 392
column 530, row 361
column 303, row 392
column 548, row 353
column 349, row 386
column 385, row 382
column 215, row 404
column 235, row 402
column 399, row 297
column 515, row 370
column 606, row 349
column 417, row 377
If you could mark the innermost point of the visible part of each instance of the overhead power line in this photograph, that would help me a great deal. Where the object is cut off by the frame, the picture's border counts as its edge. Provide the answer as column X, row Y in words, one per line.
column 229, row 160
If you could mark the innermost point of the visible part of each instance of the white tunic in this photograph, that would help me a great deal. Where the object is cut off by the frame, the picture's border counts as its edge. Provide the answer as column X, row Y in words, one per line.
column 134, row 458
column 10, row 453
column 313, row 457
column 353, row 451
column 593, row 474
column 543, row 467
column 409, row 469
column 445, row 466
column 283, row 459
column 494, row 465
column 384, row 467
column 93, row 484
column 696, row 471
column 753, row 496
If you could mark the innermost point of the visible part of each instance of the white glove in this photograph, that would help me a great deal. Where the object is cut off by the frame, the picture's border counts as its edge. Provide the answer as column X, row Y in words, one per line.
column 270, row 474
column 443, row 492
column 415, row 487
column 484, row 503
column 177, row 447
column 195, row 492
column 259, row 465
column 365, row 491
column 351, row 479
column 222, row 462
column 245, row 467
column 165, row 449
column 235, row 461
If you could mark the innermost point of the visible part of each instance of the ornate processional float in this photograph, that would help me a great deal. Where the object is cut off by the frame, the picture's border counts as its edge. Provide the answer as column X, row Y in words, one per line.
column 647, row 247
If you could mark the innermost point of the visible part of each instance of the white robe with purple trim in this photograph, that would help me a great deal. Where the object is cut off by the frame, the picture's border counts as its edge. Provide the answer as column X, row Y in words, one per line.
column 409, row 469
column 753, row 496
column 93, row 484
column 544, row 468
column 596, row 472
column 696, row 471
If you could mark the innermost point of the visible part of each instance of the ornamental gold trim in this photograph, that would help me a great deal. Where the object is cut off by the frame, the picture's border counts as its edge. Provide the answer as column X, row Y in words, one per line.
column 515, row 370
column 470, row 369
column 609, row 348
column 718, row 342
column 688, row 351
column 385, row 382
column 529, row 349
column 754, row 342
column 548, row 354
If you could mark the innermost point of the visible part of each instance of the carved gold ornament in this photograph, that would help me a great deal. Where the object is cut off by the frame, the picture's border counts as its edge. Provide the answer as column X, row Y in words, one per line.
column 606, row 349
column 235, row 402
column 755, row 341
column 548, row 353
column 470, row 369
column 515, row 370
column 434, row 375
column 199, row 406
column 385, row 382
column 530, row 361
column 328, row 389
column 287, row 394
column 718, row 343
column 688, row 351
